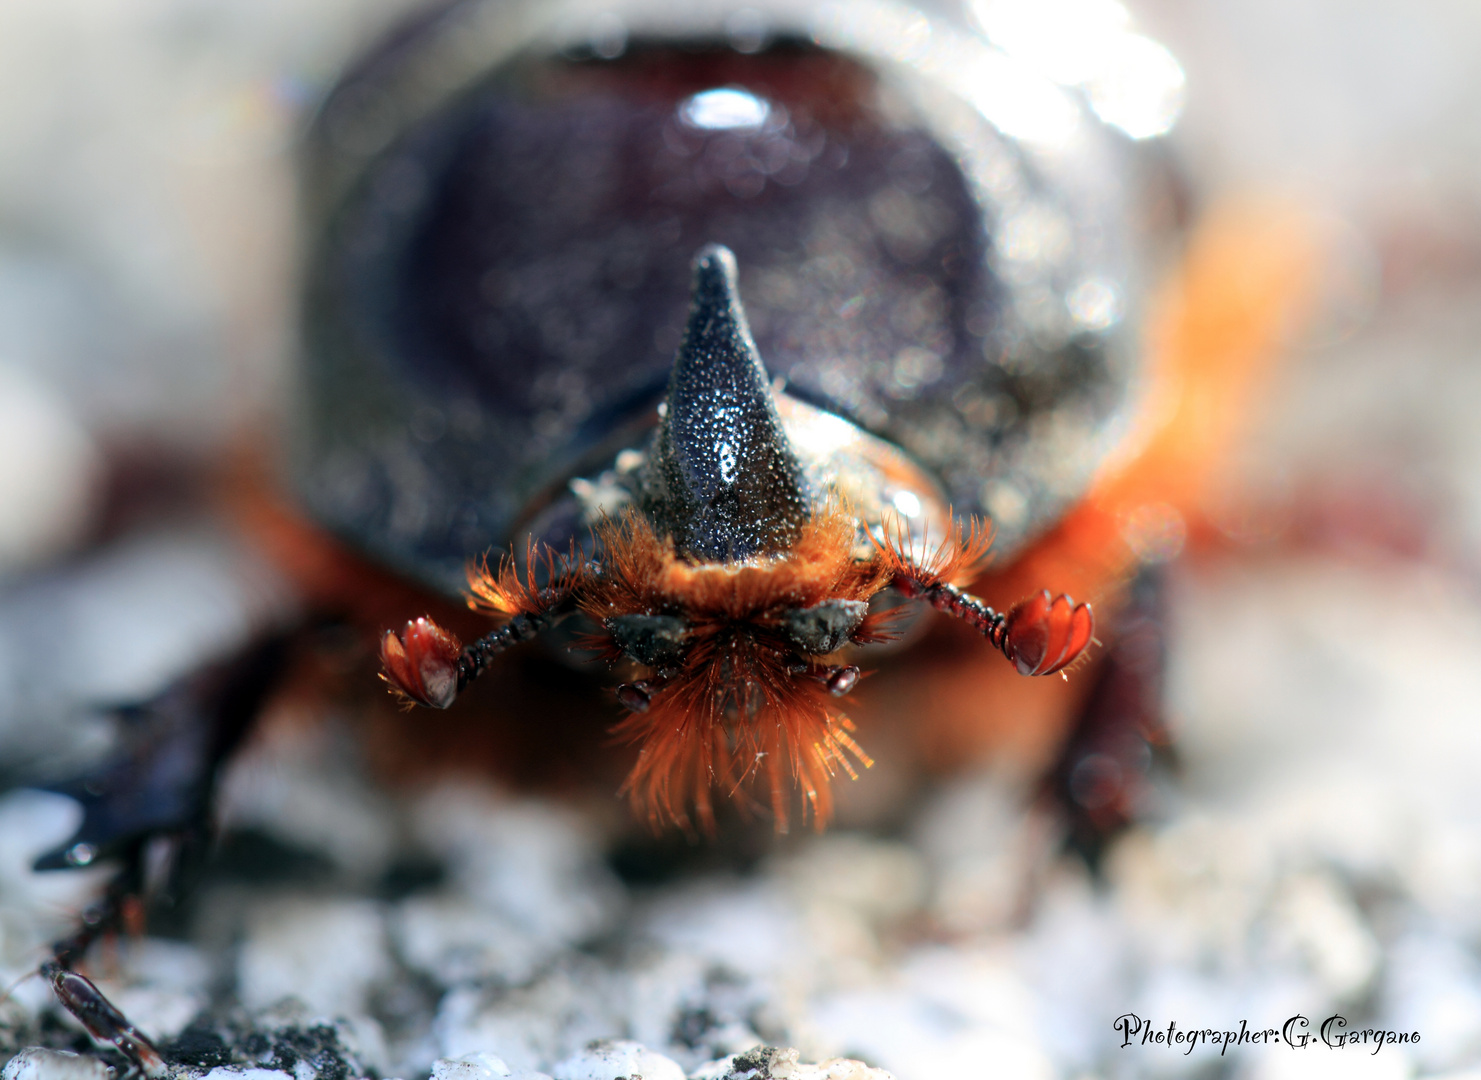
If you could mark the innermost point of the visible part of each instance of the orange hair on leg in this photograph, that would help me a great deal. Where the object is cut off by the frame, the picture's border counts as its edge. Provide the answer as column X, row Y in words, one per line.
column 958, row 559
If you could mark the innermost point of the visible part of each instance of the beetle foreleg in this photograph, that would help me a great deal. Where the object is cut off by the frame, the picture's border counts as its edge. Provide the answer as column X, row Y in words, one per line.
column 476, row 657
column 156, row 788
column 428, row 665
column 1041, row 634
column 77, row 994
column 102, row 1019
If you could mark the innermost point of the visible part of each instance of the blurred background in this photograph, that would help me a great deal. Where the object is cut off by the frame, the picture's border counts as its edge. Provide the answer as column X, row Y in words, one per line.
column 1321, row 850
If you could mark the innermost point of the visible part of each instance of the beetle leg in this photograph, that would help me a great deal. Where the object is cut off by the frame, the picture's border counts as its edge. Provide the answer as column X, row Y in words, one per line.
column 638, row 696
column 102, row 1019
column 837, row 679
column 1041, row 634
column 104, row 916
column 77, row 994
column 428, row 665
column 118, row 910
column 161, row 779
column 1101, row 776
column 156, row 787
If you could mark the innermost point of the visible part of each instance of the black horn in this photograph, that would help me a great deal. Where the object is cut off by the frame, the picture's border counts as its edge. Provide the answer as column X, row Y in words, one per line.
column 723, row 481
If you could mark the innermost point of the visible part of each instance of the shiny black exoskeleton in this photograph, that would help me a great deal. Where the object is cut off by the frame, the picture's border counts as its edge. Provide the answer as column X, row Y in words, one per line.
column 507, row 201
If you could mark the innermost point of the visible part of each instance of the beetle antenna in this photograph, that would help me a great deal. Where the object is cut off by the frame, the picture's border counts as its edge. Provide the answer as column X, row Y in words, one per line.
column 1040, row 635
column 427, row 665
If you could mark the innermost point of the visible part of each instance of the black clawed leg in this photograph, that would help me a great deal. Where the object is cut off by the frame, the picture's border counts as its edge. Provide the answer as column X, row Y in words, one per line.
column 162, row 778
column 102, row 1019
column 77, row 994
column 106, row 915
column 1103, row 776
column 157, row 787
column 838, row 679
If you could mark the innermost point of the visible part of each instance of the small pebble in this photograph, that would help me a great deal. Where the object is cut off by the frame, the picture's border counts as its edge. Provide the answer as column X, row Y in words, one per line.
column 615, row 1059
column 49, row 473
column 38, row 1063
column 452, row 939
column 477, row 1066
column 480, row 1066
column 774, row 1063
column 538, row 865
column 328, row 952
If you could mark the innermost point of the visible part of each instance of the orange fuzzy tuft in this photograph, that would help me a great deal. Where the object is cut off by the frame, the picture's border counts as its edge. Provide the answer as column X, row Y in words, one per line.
column 737, row 711
column 506, row 592
column 734, row 717
column 958, row 559
column 643, row 575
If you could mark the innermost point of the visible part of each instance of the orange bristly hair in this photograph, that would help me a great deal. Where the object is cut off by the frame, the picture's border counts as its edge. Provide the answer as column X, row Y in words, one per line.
column 506, row 592
column 959, row 559
column 734, row 714
column 736, row 711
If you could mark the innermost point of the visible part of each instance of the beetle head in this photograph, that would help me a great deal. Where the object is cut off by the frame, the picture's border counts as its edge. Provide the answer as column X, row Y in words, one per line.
column 738, row 683
column 663, row 641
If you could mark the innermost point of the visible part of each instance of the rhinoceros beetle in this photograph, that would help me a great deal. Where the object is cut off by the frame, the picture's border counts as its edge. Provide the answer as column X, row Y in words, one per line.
column 502, row 283
column 716, row 326
column 746, row 559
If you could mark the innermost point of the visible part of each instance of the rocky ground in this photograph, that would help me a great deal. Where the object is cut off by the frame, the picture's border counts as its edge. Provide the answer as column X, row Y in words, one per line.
column 1317, row 853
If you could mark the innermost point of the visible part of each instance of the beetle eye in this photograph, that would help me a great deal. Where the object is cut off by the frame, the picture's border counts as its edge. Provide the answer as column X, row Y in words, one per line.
column 825, row 628
column 656, row 641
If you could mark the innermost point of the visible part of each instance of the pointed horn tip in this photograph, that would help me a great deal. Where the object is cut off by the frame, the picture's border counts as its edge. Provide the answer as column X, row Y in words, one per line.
column 715, row 260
